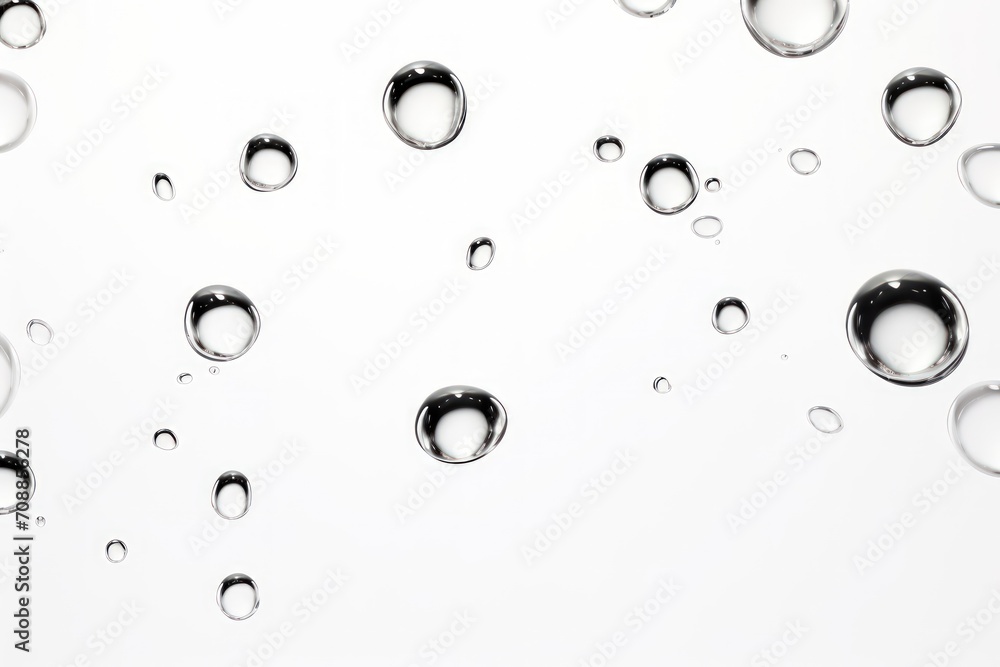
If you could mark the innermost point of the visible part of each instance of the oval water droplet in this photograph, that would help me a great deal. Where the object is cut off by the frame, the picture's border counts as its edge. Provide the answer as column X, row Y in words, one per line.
column 825, row 420
column 268, row 163
column 238, row 597
column 214, row 370
column 163, row 187
column 646, row 9
column 424, row 105
column 480, row 253
column 713, row 185
column 707, row 227
column 974, row 426
column 795, row 28
column 730, row 315
column 40, row 521
column 979, row 171
column 804, row 161
column 221, row 323
column 231, row 495
column 10, row 374
column 22, row 23
column 920, row 105
column 460, row 424
column 165, row 439
column 662, row 385
column 185, row 378
column 17, row 110
column 39, row 332
column 669, row 184
column 609, row 148
column 116, row 551
column 12, row 470
column 908, row 327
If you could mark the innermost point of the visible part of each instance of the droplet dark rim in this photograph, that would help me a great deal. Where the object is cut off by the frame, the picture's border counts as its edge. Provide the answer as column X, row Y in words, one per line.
column 264, row 142
column 963, row 171
column 158, row 178
column 231, row 297
column 722, row 305
column 224, row 480
column 966, row 398
column 804, row 151
column 476, row 245
column 713, row 185
column 408, row 77
column 22, row 469
column 237, row 580
column 10, row 4
column 793, row 50
column 658, row 381
column 660, row 11
column 168, row 432
column 601, row 142
column 107, row 551
column 449, row 399
column 669, row 161
column 921, row 77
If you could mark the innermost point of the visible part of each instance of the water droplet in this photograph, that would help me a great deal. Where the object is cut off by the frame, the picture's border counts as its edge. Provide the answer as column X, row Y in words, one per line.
column 163, row 187
column 17, row 111
column 646, row 9
column 185, row 378
column 907, row 327
column 973, row 426
column 784, row 357
column 238, row 597
column 231, row 495
column 979, row 171
column 214, row 370
column 425, row 105
column 713, row 185
column 707, row 226
column 717, row 242
column 39, row 332
column 669, row 184
column 10, row 367
column 17, row 469
column 40, row 521
column 609, row 148
column 921, row 105
column 662, row 385
column 22, row 23
column 480, row 253
column 221, row 323
column 825, row 420
column 165, row 439
column 795, row 28
column 460, row 424
column 268, row 163
column 730, row 315
column 116, row 551
column 804, row 161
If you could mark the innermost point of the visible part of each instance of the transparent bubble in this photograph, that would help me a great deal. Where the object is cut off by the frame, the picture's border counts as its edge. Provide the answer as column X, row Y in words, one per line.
column 39, row 332
column 920, row 105
column 424, row 105
column 231, row 495
column 221, row 323
column 974, row 426
column 268, row 163
column 17, row 111
column 163, row 187
column 646, row 9
column 238, row 597
column 165, row 439
column 609, row 148
column 804, row 161
column 825, row 420
column 480, row 253
column 730, row 315
column 795, row 28
column 669, row 184
column 460, row 424
column 13, row 469
column 116, row 551
column 22, row 23
column 707, row 227
column 979, row 171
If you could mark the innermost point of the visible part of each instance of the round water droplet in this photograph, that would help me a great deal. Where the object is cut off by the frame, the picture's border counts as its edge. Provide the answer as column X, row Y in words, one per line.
column 669, row 184
column 460, row 424
column 662, row 385
column 825, row 420
column 480, row 253
column 425, row 105
column 268, row 163
column 13, row 470
column 609, row 148
column 116, row 551
column 730, row 315
column 185, row 378
column 238, row 597
column 979, row 171
column 39, row 332
column 646, row 9
column 165, row 439
column 17, row 111
column 974, row 426
column 707, row 226
column 22, row 23
column 795, row 28
column 214, row 370
column 804, row 161
column 908, row 327
column 221, row 323
column 231, row 495
column 713, row 185
column 10, row 374
column 163, row 187
column 40, row 521
column 784, row 357
column 921, row 105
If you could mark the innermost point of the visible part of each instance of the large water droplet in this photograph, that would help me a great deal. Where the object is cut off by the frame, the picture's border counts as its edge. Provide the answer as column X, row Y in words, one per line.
column 17, row 111
column 795, row 28
column 238, row 597
column 22, row 23
column 921, row 105
column 425, row 105
column 13, row 469
column 116, row 551
column 609, row 149
column 480, row 253
column 669, row 184
column 825, row 420
column 165, row 439
column 646, row 9
column 979, row 171
column 974, row 425
column 460, row 424
column 39, row 332
column 730, row 315
column 163, row 187
column 707, row 227
column 221, row 323
column 908, row 327
column 231, row 495
column 268, row 163
column 804, row 161
column 10, row 374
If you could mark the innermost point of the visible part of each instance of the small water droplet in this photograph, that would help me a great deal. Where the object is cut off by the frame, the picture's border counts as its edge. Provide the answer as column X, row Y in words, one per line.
column 238, row 597
column 609, row 148
column 804, row 161
column 433, row 114
column 973, row 426
column 22, row 23
column 10, row 369
column 231, row 495
column 221, row 323
column 907, row 327
column 268, row 163
column 921, row 105
column 669, row 184
column 39, row 332
column 795, row 28
column 825, row 420
column 662, row 385
column 165, row 439
column 8, row 487
column 214, row 370
column 646, row 9
column 979, row 171
column 707, row 227
column 717, row 242
column 185, row 378
column 713, row 185
column 116, row 551
column 460, row 424
column 40, row 521
column 730, row 315
column 163, row 187
column 480, row 253
column 784, row 357
column 18, row 110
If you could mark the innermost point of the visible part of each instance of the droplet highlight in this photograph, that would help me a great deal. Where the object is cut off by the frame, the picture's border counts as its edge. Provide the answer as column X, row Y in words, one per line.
column 268, row 163
column 804, row 161
column 920, row 106
column 116, row 551
column 795, row 28
column 9, row 502
column 163, row 187
column 662, row 385
column 39, row 332
column 730, row 315
column 825, row 420
column 17, row 111
column 979, row 171
column 460, row 424
column 480, row 253
column 424, row 105
column 221, row 323
column 238, row 597
column 669, row 184
column 609, row 149
column 974, row 426
column 22, row 23
column 231, row 495
column 707, row 227
column 165, row 439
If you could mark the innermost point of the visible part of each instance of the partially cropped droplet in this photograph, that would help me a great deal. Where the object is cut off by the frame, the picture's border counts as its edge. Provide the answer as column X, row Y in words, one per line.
column 22, row 23
column 39, row 332
column 921, row 105
column 116, row 551
column 480, row 253
column 424, row 105
column 974, row 426
column 163, row 187
column 825, row 420
column 460, row 424
column 609, row 148
column 804, row 161
column 231, row 495
column 268, row 163
column 238, row 597
column 9, row 501
column 669, row 184
column 707, row 227
column 17, row 110
column 221, row 323
column 730, row 315
column 795, row 28
column 979, row 171
column 10, row 374
column 662, row 385
column 165, row 439
column 646, row 9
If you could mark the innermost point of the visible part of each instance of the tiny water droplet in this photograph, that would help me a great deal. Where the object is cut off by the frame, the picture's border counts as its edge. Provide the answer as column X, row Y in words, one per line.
column 10, row 366
column 646, row 9
column 784, row 357
column 609, row 148
column 231, row 495
column 185, row 378
column 8, row 488
column 713, row 185
column 39, row 332
column 662, row 385
column 221, row 323
column 18, row 110
column 973, row 426
column 268, row 163
column 116, row 551
column 445, row 115
column 804, row 161
column 165, row 439
column 920, row 105
column 979, row 171
column 214, row 370
column 460, row 424
column 163, row 187
column 238, row 597
column 825, row 420
column 22, row 23
column 795, row 29
column 707, row 227
column 730, row 315
column 480, row 253
column 40, row 521
column 669, row 184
